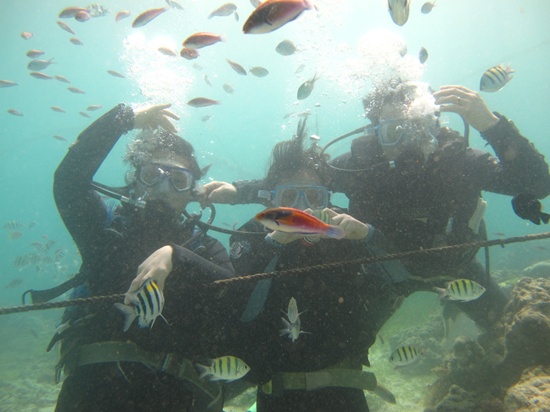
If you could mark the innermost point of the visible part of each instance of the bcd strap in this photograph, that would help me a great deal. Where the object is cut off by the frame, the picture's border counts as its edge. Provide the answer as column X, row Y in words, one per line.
column 208, row 394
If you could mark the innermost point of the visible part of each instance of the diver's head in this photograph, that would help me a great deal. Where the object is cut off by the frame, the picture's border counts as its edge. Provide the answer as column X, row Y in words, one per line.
column 404, row 116
column 297, row 176
column 165, row 168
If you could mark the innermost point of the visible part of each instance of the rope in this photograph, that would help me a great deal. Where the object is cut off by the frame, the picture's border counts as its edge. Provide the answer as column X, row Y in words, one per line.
column 289, row 272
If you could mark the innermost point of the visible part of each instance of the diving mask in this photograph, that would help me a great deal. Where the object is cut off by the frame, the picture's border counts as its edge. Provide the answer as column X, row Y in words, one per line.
column 298, row 196
column 392, row 132
column 151, row 174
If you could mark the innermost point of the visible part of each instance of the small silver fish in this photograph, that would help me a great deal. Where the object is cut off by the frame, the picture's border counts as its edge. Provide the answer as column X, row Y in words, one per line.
column 259, row 71
column 427, row 7
column 237, row 67
column 146, row 305
column 57, row 109
column 228, row 87
column 405, row 355
column 463, row 290
column 226, row 9
column 399, row 11
column 285, row 48
column 37, row 65
column 15, row 112
column 423, row 55
column 7, row 83
column 306, row 88
column 292, row 324
column 227, row 368
column 495, row 78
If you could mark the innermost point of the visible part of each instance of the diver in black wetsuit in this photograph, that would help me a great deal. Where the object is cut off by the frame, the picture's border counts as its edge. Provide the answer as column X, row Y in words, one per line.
column 141, row 369
column 341, row 309
column 420, row 184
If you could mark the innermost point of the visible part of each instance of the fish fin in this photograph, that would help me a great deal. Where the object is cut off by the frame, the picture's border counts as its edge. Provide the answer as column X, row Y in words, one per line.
column 545, row 217
column 536, row 221
column 336, row 232
column 385, row 394
column 164, row 319
column 509, row 70
column 129, row 314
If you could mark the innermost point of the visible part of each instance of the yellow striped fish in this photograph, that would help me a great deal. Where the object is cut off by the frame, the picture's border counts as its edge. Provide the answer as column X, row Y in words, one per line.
column 405, row 355
column 146, row 305
column 461, row 289
column 495, row 78
column 228, row 368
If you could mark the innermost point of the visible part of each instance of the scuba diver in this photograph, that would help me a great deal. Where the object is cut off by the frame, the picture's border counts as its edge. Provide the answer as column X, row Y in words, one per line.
column 420, row 184
column 334, row 314
column 141, row 369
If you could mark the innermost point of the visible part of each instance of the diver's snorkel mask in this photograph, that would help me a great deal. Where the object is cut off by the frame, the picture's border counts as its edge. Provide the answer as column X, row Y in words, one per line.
column 298, row 196
column 399, row 135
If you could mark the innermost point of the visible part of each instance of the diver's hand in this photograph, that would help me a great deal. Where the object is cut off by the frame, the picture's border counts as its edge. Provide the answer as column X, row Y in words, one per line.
column 354, row 229
column 155, row 116
column 156, row 267
column 218, row 192
column 284, row 237
column 467, row 103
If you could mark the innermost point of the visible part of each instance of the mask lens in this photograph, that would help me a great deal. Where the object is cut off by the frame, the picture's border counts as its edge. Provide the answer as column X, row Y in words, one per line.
column 288, row 197
column 181, row 179
column 150, row 174
column 316, row 198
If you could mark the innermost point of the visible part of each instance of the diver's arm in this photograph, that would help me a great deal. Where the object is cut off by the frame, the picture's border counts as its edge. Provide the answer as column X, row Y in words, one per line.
column 521, row 168
column 80, row 207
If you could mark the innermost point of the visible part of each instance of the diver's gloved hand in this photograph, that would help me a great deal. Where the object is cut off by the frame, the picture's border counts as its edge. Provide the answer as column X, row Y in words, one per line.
column 218, row 192
column 156, row 267
column 355, row 230
column 155, row 116
column 467, row 103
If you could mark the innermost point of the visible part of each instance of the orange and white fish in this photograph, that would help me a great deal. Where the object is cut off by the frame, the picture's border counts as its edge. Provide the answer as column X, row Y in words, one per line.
column 290, row 220
column 147, row 16
column 202, row 102
column 189, row 54
column 33, row 54
column 201, row 39
column 65, row 27
column 121, row 15
column 75, row 90
column 273, row 14
column 70, row 12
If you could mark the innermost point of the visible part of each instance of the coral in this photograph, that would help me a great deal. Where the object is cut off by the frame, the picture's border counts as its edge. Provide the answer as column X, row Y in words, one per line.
column 531, row 393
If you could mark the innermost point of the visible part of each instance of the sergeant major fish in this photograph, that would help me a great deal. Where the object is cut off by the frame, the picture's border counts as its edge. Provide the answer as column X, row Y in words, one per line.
column 405, row 355
column 290, row 220
column 463, row 290
column 495, row 78
column 146, row 305
column 228, row 368
column 528, row 207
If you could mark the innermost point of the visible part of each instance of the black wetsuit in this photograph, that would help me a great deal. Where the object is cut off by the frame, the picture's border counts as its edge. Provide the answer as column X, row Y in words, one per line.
column 428, row 204
column 342, row 310
column 112, row 246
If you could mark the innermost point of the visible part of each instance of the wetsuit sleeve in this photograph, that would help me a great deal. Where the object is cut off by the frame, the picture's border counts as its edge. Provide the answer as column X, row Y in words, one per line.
column 80, row 207
column 251, row 253
column 519, row 168
column 214, row 263
column 247, row 192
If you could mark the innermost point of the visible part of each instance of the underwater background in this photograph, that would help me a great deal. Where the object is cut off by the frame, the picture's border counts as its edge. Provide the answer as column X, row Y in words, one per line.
column 347, row 43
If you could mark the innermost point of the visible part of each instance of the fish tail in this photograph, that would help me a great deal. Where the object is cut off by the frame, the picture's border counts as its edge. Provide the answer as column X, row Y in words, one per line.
column 202, row 370
column 336, row 232
column 509, row 70
column 545, row 217
column 441, row 292
column 129, row 314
